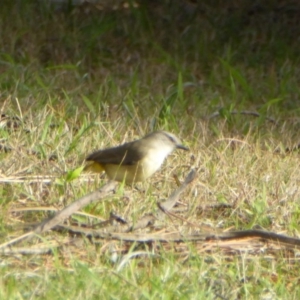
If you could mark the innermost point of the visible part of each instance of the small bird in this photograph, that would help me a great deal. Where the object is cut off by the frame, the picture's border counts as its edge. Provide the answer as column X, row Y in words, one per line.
column 135, row 161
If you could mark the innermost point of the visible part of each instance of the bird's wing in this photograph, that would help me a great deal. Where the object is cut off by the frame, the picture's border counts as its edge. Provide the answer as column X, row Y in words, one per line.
column 127, row 154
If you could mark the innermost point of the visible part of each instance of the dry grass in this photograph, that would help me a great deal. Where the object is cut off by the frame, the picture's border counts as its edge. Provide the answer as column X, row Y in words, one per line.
column 259, row 185
column 86, row 81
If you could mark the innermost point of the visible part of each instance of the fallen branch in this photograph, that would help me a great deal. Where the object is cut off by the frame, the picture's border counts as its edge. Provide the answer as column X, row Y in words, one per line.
column 243, row 112
column 65, row 213
column 165, row 206
column 181, row 237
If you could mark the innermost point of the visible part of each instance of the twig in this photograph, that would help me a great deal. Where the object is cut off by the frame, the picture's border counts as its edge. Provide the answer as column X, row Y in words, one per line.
column 32, row 250
column 65, row 213
column 180, row 237
column 243, row 112
column 170, row 203
column 165, row 206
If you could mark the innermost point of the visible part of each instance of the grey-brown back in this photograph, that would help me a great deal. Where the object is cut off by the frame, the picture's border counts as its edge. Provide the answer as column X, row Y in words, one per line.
column 126, row 154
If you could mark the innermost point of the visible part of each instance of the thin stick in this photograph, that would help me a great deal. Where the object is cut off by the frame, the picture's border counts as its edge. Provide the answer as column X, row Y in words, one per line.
column 65, row 213
column 243, row 112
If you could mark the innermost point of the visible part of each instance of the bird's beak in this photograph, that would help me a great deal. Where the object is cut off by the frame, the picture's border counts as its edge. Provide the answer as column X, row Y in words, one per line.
column 182, row 147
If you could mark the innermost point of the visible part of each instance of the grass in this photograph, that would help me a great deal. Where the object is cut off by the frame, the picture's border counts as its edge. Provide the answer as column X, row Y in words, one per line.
column 73, row 81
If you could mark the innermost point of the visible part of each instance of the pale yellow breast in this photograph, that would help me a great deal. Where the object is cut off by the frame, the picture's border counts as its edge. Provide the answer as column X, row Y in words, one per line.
column 128, row 173
column 139, row 172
